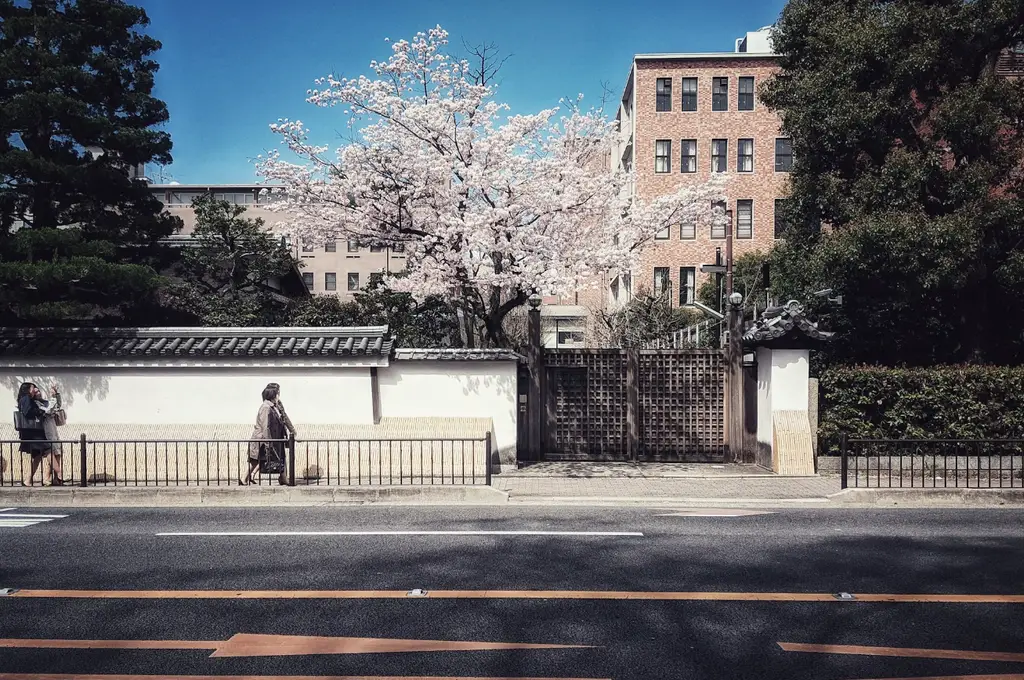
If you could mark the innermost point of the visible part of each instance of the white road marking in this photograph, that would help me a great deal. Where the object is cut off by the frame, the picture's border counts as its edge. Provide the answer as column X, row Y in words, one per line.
column 15, row 520
column 715, row 513
column 33, row 516
column 402, row 533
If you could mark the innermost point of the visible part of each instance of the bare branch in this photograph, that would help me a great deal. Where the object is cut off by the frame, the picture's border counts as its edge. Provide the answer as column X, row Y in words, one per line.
column 485, row 61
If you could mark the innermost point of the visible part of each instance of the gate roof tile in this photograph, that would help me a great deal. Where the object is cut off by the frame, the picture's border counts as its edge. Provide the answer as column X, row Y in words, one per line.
column 785, row 327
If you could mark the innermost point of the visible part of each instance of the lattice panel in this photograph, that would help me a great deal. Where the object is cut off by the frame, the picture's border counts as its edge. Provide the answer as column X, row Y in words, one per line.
column 682, row 405
column 586, row 403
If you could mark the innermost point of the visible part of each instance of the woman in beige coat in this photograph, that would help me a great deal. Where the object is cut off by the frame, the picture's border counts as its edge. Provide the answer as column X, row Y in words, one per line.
column 267, row 437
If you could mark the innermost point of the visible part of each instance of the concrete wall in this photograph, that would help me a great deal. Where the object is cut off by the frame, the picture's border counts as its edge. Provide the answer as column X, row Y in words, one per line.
column 789, row 380
column 213, row 395
column 195, row 397
column 421, row 389
column 782, row 385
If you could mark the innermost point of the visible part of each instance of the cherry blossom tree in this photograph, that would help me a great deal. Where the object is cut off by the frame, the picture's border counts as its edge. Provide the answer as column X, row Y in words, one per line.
column 490, row 208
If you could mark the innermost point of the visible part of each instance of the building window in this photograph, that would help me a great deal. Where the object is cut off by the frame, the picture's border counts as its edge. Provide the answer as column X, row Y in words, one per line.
column 398, row 248
column 783, row 154
column 331, row 246
column 720, row 224
column 687, row 280
column 353, row 246
column 746, row 92
column 307, row 247
column 688, row 231
column 745, row 218
column 307, row 279
column 719, row 155
column 719, row 94
column 377, row 248
column 663, row 155
column 745, row 155
column 570, row 338
column 689, row 158
column 330, row 281
column 353, row 281
column 689, row 94
column 664, row 94
column 663, row 235
column 780, row 217
column 661, row 280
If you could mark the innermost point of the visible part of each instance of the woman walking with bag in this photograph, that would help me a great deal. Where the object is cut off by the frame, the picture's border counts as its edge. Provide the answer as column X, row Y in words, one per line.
column 267, row 445
column 36, row 420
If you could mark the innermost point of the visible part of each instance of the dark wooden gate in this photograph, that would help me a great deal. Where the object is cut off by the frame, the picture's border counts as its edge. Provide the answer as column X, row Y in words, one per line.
column 650, row 405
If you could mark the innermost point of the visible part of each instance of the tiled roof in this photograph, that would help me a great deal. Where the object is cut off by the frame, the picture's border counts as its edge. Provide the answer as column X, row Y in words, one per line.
column 196, row 343
column 785, row 328
column 458, row 354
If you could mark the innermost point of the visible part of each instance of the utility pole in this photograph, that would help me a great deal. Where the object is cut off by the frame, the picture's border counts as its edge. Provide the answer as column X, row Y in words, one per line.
column 728, row 254
column 734, row 379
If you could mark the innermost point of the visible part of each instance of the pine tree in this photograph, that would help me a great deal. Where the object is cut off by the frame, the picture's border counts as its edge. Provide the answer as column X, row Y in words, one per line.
column 78, row 235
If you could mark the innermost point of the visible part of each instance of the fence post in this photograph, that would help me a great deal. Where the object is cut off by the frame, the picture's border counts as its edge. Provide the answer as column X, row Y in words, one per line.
column 633, row 404
column 844, row 466
column 83, row 464
column 291, row 460
column 487, row 452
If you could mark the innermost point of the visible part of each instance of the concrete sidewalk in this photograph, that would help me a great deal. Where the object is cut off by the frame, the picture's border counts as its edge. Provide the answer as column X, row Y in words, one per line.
column 754, row 489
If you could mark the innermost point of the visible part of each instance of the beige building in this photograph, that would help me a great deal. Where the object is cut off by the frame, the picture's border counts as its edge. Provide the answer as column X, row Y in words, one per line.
column 336, row 268
column 682, row 118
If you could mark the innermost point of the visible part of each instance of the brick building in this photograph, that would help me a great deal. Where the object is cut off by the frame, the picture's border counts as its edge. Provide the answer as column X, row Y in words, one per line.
column 683, row 117
column 335, row 268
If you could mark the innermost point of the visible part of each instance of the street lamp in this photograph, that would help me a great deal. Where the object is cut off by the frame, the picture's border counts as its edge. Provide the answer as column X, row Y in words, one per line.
column 736, row 299
column 535, row 300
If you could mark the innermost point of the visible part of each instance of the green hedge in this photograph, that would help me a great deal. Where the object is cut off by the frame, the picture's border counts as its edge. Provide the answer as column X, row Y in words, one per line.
column 945, row 402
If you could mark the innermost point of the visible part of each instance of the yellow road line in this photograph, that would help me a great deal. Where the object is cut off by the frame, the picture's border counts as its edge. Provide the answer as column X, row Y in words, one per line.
column 905, row 652
column 710, row 596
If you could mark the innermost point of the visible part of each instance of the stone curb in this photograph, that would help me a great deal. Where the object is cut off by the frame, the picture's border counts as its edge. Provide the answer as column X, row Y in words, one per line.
column 656, row 502
column 241, row 497
column 929, row 497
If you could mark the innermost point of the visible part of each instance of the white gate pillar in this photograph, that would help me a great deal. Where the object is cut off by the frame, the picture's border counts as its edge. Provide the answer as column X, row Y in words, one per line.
column 783, row 340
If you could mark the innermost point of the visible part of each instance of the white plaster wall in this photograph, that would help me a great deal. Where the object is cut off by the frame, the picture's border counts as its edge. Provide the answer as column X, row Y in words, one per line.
column 764, row 396
column 790, row 374
column 203, row 395
column 455, row 389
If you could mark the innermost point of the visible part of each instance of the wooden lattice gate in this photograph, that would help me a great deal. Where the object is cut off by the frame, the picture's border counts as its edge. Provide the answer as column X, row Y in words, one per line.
column 650, row 405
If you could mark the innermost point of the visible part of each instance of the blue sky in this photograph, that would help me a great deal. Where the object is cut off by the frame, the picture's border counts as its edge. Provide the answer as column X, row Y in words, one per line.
column 229, row 68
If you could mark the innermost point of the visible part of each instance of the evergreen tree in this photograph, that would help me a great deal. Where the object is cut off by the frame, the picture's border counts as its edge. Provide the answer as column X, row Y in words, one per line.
column 78, row 235
column 908, row 141
column 226, row 267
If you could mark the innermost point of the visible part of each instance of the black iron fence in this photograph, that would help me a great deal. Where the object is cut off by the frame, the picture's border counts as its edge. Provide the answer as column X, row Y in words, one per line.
column 355, row 462
column 932, row 463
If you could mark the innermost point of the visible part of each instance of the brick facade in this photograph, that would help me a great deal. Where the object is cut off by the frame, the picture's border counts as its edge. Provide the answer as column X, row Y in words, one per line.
column 762, row 186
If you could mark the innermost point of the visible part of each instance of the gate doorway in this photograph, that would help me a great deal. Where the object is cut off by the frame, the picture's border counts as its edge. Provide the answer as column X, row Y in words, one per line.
column 633, row 405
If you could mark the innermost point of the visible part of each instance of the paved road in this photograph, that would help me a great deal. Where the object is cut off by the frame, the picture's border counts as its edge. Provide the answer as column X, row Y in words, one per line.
column 642, row 596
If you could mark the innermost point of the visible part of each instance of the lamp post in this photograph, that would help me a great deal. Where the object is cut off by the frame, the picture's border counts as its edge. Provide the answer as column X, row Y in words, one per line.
column 734, row 363
column 534, row 358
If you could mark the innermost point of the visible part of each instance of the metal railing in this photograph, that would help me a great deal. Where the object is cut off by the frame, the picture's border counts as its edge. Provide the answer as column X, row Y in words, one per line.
column 168, row 462
column 932, row 463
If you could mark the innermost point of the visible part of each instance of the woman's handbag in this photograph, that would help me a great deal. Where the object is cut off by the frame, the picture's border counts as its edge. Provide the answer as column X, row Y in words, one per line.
column 60, row 417
column 271, row 462
column 23, row 423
